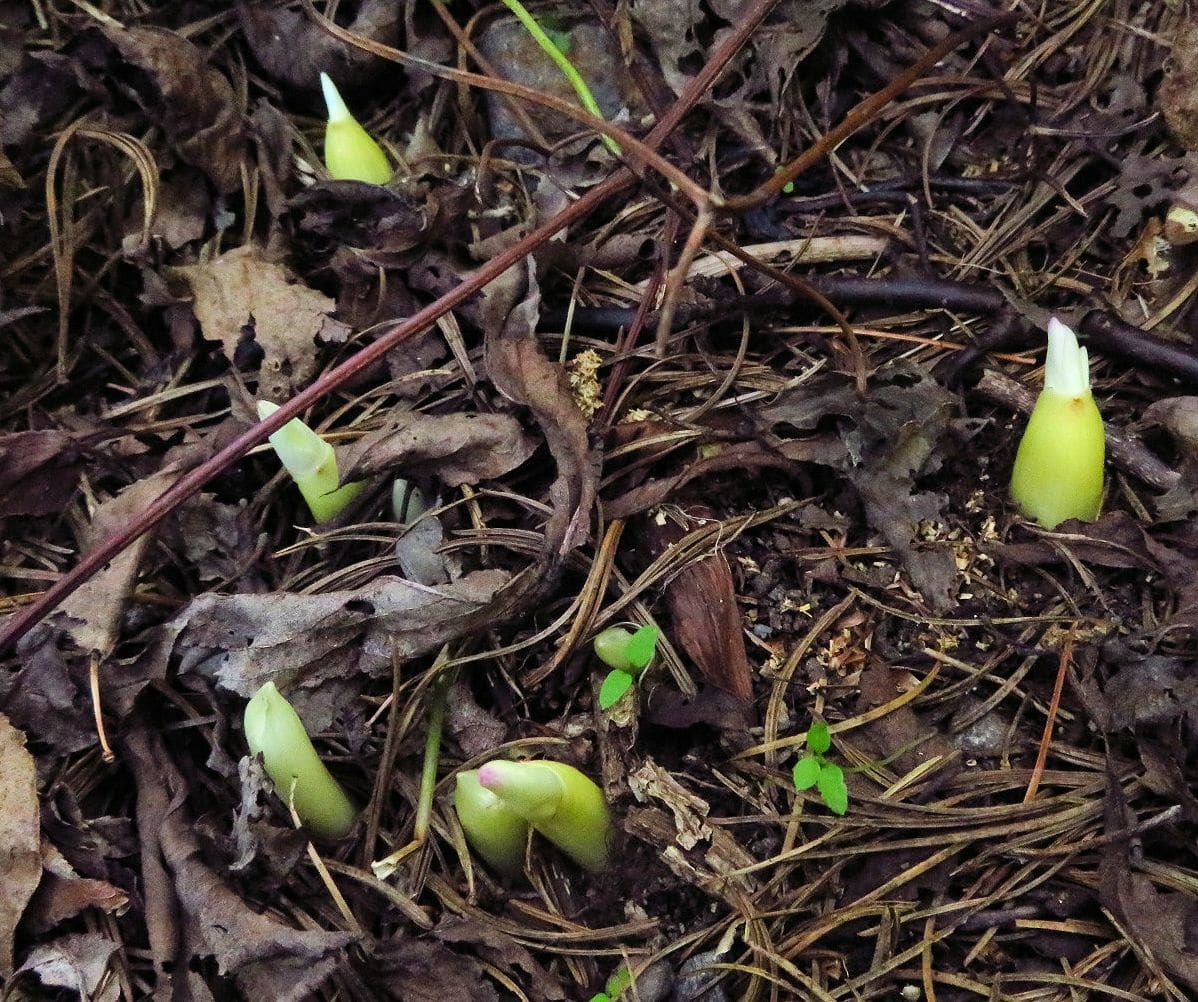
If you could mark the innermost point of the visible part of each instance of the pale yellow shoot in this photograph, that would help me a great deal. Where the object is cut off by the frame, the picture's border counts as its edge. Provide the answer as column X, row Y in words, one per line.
column 350, row 153
column 274, row 730
column 1059, row 466
column 559, row 802
column 312, row 464
column 494, row 831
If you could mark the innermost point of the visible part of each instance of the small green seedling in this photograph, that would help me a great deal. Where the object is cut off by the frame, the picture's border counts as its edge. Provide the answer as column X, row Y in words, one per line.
column 813, row 769
column 616, row 986
column 628, row 654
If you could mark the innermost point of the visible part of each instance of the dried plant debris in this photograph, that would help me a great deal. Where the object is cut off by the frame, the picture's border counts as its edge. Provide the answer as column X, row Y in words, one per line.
column 267, row 958
column 307, row 641
column 193, row 102
column 1162, row 918
column 242, row 300
column 455, row 448
column 80, row 963
column 293, row 50
column 39, row 471
column 21, row 862
column 896, row 434
column 853, row 556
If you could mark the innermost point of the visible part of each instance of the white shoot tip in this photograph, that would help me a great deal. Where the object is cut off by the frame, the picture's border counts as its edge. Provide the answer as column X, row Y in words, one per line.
column 266, row 409
column 1067, row 367
column 338, row 112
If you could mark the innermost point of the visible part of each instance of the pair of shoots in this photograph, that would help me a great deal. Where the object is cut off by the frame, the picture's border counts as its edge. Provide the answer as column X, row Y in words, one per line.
column 499, row 803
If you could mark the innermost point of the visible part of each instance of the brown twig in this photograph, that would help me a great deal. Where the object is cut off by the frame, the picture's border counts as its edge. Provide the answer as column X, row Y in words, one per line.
column 1114, row 337
column 860, row 115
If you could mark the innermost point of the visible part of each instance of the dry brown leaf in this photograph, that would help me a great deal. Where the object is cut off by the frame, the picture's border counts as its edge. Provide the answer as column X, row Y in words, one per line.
column 293, row 49
column 268, row 959
column 521, row 372
column 427, row 971
column 303, row 642
column 705, row 617
column 241, row 295
column 1161, row 923
column 20, row 835
column 193, row 102
column 63, row 894
column 455, row 448
column 1178, row 93
column 38, row 472
column 92, row 614
column 895, row 433
column 78, row 963
column 502, row 951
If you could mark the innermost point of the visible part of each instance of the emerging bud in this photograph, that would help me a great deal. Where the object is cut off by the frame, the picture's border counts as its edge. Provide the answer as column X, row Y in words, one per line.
column 349, row 152
column 494, row 831
column 556, row 800
column 1059, row 465
column 312, row 464
column 274, row 730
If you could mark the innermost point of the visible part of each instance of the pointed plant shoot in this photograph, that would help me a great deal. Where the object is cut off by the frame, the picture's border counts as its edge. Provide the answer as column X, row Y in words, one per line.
column 350, row 153
column 1059, row 466
column 274, row 730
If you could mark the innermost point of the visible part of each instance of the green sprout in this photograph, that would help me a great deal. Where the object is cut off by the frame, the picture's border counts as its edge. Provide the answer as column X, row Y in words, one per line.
column 627, row 654
column 552, row 48
column 350, row 154
column 813, row 769
column 312, row 464
column 274, row 730
column 552, row 798
column 616, row 986
column 1058, row 468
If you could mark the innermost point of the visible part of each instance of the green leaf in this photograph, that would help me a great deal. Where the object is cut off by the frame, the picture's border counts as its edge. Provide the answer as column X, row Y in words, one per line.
column 601, row 997
column 806, row 772
column 833, row 788
column 619, row 982
column 614, row 686
column 819, row 738
column 611, row 647
column 642, row 645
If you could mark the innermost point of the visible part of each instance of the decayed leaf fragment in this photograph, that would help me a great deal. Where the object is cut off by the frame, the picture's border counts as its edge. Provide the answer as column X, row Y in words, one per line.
column 306, row 641
column 268, row 959
column 193, row 102
column 460, row 448
column 242, row 288
column 20, row 836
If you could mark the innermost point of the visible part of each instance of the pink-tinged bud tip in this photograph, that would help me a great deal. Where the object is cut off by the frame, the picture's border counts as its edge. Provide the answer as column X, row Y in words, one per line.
column 490, row 776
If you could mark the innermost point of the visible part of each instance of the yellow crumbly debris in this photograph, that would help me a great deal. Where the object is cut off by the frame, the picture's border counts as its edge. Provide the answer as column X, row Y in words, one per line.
column 584, row 381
